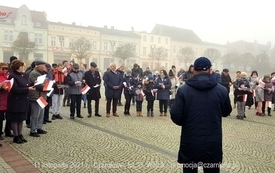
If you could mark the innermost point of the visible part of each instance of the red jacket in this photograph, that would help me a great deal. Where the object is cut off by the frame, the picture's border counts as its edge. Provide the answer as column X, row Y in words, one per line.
column 3, row 93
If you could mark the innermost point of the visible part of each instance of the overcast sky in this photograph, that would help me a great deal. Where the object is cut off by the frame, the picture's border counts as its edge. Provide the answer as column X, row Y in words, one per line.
column 216, row 21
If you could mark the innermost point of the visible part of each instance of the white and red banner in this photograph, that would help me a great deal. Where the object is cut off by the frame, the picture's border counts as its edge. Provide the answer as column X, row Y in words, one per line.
column 85, row 89
column 48, row 85
column 125, row 85
column 9, row 84
column 42, row 102
column 244, row 98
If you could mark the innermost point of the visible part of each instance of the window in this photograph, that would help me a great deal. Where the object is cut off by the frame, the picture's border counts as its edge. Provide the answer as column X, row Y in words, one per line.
column 53, row 41
column 159, row 40
column 38, row 24
column 166, row 40
column 8, row 20
column 174, row 50
column 152, row 38
column 62, row 42
column 71, row 42
column 94, row 45
column 144, row 50
column 105, row 46
column 38, row 38
column 8, row 35
column 144, row 38
column 24, row 20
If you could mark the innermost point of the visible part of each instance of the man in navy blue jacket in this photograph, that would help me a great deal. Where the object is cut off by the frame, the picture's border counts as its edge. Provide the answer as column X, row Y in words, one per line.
column 199, row 107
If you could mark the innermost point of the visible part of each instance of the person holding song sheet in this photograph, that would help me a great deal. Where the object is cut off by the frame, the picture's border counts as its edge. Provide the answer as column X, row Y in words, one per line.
column 18, row 102
column 58, row 86
column 37, row 97
column 75, row 81
column 93, row 80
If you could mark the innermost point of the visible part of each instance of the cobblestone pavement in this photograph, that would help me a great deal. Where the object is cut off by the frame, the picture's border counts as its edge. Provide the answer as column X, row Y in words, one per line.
column 142, row 144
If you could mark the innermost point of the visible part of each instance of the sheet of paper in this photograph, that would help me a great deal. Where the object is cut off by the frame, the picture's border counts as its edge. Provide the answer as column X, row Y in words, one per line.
column 40, row 80
column 49, row 93
column 96, row 86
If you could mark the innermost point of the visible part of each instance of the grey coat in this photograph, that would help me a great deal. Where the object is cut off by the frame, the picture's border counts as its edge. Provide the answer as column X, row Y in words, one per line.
column 71, row 78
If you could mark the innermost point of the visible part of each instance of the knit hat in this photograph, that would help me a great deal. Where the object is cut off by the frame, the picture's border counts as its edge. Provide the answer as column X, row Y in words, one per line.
column 150, row 77
column 128, row 71
column 171, row 73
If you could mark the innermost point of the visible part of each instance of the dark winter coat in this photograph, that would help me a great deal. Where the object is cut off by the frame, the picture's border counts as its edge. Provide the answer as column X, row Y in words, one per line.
column 113, row 79
column 163, row 94
column 199, row 107
column 137, row 73
column 93, row 79
column 18, row 101
column 225, row 81
column 147, row 91
column 268, row 93
column 130, row 82
column 217, row 77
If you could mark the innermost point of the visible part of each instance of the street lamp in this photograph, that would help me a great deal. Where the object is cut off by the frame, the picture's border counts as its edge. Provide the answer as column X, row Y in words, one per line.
column 61, row 40
column 113, row 43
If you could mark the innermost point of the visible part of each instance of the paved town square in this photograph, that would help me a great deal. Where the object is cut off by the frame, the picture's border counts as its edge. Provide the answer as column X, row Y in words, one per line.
column 137, row 144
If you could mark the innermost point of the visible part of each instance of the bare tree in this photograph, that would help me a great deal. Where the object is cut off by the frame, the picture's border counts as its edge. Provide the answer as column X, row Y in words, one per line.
column 245, row 60
column 81, row 48
column 230, row 59
column 262, row 63
column 125, row 51
column 212, row 54
column 23, row 46
column 159, row 53
column 185, row 55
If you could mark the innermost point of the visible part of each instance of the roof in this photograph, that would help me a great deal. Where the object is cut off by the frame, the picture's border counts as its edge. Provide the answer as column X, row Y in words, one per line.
column 177, row 34
column 116, row 32
column 74, row 25
column 247, row 46
column 37, row 16
column 215, row 44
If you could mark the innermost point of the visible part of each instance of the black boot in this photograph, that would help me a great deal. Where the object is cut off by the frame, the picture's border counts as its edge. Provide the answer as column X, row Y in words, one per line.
column 269, row 111
column 148, row 113
column 22, row 138
column 17, row 140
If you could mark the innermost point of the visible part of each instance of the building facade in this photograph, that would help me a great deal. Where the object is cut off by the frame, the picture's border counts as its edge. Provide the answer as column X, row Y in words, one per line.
column 148, row 43
column 61, row 38
column 181, row 38
column 112, row 38
column 23, row 23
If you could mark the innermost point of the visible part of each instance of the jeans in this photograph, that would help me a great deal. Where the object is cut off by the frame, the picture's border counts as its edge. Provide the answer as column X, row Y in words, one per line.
column 84, row 98
column 47, row 108
column 163, row 106
column 150, row 105
column 56, row 103
column 139, row 105
column 75, row 104
column 128, row 98
column 37, row 116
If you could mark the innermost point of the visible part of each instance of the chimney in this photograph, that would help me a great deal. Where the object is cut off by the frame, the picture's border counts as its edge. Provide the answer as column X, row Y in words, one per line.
column 112, row 27
column 132, row 28
column 73, row 23
column 105, row 26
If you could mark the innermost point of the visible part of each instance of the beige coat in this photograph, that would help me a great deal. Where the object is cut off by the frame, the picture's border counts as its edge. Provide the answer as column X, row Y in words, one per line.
column 174, row 82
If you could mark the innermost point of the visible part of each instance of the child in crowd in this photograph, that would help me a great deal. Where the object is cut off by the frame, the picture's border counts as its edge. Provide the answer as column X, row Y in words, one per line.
column 268, row 94
column 139, row 98
column 241, row 95
column 259, row 97
column 150, row 92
